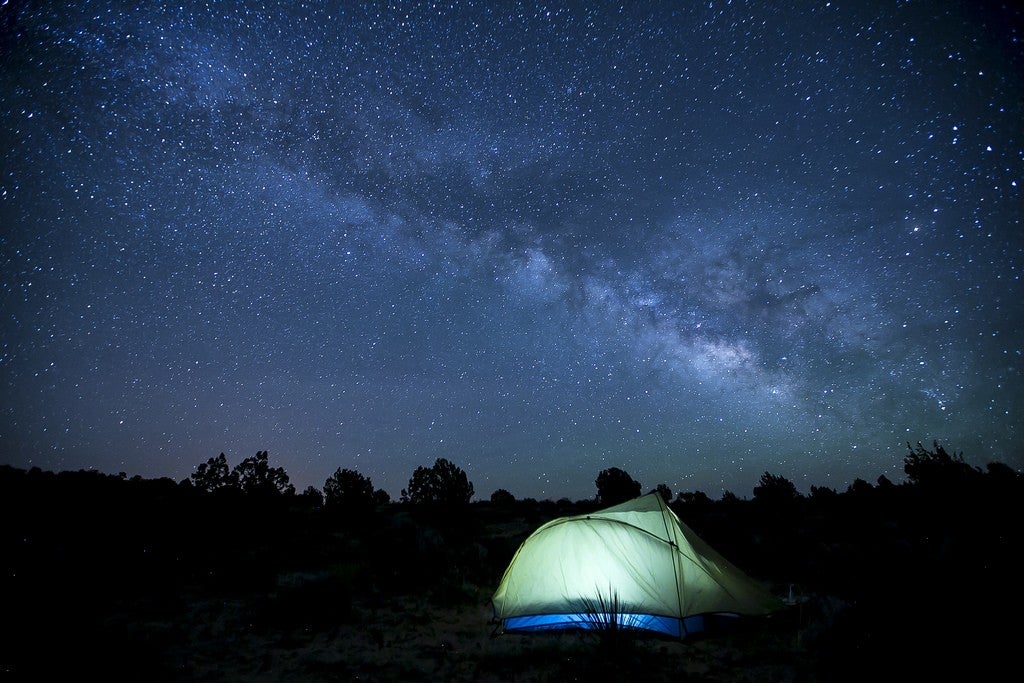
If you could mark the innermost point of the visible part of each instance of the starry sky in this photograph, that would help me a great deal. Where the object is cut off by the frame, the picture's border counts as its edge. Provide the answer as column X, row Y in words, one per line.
column 696, row 241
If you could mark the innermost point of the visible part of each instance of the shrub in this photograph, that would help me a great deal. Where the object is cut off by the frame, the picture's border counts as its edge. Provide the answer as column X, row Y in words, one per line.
column 443, row 483
column 348, row 489
column 615, row 486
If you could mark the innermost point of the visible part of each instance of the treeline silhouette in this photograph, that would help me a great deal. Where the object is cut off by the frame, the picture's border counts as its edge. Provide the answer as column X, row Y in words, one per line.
column 107, row 569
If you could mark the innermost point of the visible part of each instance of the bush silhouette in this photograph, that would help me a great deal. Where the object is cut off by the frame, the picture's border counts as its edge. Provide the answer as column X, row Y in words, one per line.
column 695, row 497
column 938, row 468
column 348, row 489
column 314, row 496
column 214, row 475
column 502, row 497
column 773, row 488
column 823, row 493
column 257, row 478
column 615, row 486
column 665, row 491
column 859, row 487
column 443, row 483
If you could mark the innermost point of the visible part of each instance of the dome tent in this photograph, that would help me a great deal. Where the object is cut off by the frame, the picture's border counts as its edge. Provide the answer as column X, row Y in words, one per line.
column 633, row 565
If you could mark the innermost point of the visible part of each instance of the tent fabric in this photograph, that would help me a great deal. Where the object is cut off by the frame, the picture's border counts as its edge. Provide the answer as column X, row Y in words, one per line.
column 635, row 564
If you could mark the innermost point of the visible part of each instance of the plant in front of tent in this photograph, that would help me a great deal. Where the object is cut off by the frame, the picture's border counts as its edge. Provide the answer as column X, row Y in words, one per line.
column 602, row 613
column 604, row 617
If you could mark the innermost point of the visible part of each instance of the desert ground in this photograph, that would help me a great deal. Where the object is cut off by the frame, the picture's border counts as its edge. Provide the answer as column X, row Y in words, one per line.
column 144, row 581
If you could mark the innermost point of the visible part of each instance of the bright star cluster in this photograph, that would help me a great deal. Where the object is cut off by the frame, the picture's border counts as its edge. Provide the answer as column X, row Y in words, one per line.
column 696, row 241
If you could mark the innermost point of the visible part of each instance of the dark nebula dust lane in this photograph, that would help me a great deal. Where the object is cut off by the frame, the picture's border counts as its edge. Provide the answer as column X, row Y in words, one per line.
column 694, row 241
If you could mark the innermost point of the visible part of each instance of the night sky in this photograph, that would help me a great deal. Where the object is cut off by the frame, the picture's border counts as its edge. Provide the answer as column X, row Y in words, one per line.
column 696, row 241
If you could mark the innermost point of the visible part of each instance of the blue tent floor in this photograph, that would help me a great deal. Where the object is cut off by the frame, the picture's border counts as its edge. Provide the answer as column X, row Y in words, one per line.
column 669, row 626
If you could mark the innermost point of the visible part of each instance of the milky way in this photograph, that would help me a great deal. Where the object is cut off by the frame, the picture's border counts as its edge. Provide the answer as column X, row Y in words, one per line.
column 694, row 241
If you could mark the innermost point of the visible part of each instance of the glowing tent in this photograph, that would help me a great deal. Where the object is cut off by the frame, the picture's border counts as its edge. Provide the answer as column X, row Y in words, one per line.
column 633, row 565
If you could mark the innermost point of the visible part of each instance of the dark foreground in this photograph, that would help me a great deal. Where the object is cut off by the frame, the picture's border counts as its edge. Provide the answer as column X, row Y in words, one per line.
column 144, row 580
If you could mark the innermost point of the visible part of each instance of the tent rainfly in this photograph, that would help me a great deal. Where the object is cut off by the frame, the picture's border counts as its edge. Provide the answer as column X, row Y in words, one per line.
column 633, row 565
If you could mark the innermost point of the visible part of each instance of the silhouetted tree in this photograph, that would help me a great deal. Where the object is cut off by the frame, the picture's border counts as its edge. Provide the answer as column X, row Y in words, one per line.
column 859, row 487
column 937, row 468
column 257, row 478
column 1003, row 481
column 314, row 496
column 823, row 493
column 348, row 489
column 696, row 497
column 615, row 486
column 729, row 497
column 214, row 475
column 772, row 488
column 502, row 497
column 1001, row 470
column 381, row 497
column 665, row 491
column 443, row 483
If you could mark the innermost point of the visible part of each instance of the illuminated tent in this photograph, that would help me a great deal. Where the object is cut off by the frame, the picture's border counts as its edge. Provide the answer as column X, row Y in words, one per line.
column 633, row 565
